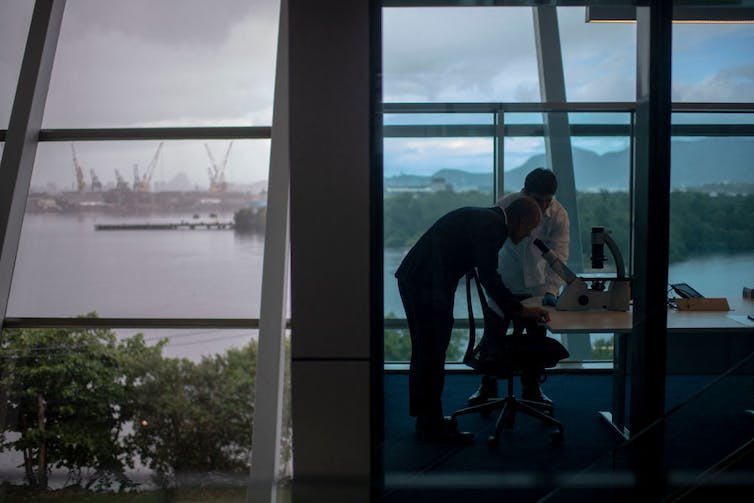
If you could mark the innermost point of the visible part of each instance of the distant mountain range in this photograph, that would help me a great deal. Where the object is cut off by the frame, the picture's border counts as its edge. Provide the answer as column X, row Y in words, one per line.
column 696, row 163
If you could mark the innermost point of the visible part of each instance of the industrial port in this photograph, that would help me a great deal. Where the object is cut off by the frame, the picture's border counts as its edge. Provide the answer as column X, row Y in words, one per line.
column 138, row 196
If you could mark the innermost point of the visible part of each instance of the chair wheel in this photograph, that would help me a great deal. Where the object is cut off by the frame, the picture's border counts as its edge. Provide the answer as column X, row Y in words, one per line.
column 492, row 441
column 557, row 437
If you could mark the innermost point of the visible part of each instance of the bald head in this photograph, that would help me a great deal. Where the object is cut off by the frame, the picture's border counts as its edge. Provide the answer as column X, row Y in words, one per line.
column 524, row 216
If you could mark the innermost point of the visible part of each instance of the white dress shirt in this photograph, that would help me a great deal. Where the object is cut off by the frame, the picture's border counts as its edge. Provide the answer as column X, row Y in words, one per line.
column 521, row 266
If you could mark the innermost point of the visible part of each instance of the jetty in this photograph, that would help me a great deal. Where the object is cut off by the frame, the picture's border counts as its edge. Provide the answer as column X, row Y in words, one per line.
column 176, row 226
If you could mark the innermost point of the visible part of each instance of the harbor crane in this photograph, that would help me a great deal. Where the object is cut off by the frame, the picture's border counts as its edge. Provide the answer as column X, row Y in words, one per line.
column 80, row 182
column 142, row 183
column 217, row 171
column 96, row 184
column 120, row 182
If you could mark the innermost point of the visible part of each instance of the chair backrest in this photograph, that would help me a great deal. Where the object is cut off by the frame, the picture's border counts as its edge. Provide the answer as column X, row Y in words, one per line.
column 488, row 355
column 501, row 353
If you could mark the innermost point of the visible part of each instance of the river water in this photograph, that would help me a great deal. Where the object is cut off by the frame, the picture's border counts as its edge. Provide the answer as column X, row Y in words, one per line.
column 66, row 268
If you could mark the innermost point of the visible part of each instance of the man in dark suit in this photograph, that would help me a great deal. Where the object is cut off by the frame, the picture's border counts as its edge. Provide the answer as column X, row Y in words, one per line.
column 459, row 241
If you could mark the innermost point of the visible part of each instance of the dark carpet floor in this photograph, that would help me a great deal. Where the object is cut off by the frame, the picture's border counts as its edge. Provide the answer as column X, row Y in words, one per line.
column 591, row 462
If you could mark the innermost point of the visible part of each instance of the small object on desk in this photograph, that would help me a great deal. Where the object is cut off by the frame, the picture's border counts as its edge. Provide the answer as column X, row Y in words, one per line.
column 685, row 291
column 748, row 293
column 702, row 304
column 751, row 317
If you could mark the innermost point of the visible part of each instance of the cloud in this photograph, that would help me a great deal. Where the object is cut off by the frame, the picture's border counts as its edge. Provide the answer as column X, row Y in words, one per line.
column 489, row 54
column 196, row 23
column 138, row 66
column 734, row 84
column 441, row 54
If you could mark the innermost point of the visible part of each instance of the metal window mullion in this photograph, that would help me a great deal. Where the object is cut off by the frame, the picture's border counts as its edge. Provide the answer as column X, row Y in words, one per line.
column 270, row 368
column 162, row 133
column 138, row 323
column 499, row 154
column 21, row 140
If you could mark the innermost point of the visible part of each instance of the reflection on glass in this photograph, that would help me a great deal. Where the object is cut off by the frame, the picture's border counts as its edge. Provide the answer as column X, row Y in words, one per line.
column 176, row 246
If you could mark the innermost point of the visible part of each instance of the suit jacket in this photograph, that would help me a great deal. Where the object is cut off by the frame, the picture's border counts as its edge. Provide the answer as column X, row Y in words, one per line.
column 459, row 241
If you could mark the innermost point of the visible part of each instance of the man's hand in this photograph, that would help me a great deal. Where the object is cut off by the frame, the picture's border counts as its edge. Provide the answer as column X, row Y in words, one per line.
column 549, row 300
column 539, row 314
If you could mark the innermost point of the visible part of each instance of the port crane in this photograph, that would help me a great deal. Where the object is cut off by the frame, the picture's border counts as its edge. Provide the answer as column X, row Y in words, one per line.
column 96, row 184
column 80, row 182
column 217, row 171
column 120, row 182
column 142, row 183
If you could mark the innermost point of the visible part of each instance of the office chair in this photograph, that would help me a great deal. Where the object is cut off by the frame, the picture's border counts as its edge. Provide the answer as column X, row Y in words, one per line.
column 500, row 354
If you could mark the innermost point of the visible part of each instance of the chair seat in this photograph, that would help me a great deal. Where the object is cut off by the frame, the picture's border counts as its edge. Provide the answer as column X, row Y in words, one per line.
column 504, row 355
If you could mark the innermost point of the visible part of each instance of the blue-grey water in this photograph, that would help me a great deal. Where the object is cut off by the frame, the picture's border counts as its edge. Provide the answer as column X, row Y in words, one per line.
column 66, row 268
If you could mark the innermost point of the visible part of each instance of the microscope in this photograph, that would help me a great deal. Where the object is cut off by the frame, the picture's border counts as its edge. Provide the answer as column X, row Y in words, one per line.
column 583, row 294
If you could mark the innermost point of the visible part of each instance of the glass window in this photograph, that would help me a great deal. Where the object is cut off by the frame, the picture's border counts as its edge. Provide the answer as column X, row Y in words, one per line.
column 711, row 203
column 472, row 54
column 169, row 245
column 599, row 59
column 713, row 62
column 15, row 16
column 176, row 63
column 425, row 178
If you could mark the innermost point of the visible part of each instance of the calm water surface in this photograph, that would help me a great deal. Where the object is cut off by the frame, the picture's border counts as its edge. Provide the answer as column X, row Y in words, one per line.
column 67, row 268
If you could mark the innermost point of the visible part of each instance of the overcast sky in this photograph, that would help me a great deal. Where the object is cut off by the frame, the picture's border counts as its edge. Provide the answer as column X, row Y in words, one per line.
column 199, row 63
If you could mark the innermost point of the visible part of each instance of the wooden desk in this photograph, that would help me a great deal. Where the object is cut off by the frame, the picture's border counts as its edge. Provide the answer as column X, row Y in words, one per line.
column 620, row 323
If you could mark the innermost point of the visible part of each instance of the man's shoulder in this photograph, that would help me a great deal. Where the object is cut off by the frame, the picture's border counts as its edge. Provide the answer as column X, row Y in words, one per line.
column 556, row 212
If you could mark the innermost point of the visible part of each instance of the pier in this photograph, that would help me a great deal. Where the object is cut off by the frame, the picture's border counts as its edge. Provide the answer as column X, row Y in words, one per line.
column 166, row 226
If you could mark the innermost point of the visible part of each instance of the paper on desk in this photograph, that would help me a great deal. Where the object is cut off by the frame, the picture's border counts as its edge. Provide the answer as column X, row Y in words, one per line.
column 742, row 319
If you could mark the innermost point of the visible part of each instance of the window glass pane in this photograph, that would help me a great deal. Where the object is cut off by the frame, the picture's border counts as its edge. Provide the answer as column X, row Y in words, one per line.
column 424, row 179
column 189, row 391
column 711, row 203
column 599, row 59
column 713, row 62
column 167, row 63
column 468, row 54
column 67, row 265
column 15, row 16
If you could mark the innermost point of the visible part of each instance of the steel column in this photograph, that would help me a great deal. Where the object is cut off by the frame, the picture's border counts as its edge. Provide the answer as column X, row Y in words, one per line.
column 270, row 377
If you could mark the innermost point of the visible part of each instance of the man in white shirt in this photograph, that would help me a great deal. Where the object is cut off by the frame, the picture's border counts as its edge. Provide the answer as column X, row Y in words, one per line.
column 526, row 273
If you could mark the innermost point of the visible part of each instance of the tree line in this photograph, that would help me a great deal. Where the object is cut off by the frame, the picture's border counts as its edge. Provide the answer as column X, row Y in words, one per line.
column 700, row 223
column 94, row 405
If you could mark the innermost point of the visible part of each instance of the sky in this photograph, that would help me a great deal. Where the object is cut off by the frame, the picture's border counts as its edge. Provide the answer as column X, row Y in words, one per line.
column 198, row 63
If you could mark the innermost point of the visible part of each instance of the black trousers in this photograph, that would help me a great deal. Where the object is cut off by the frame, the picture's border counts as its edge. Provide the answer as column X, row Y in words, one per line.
column 430, row 321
